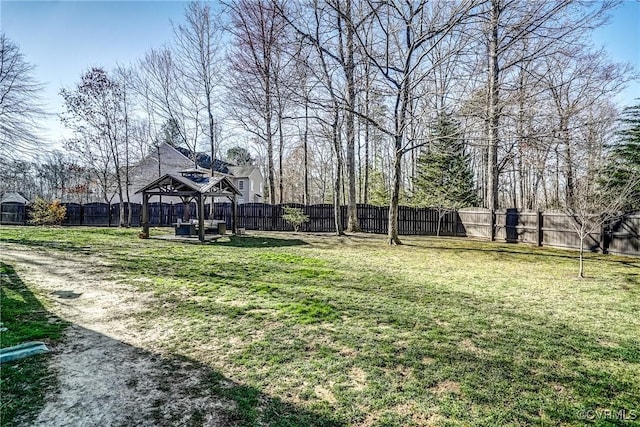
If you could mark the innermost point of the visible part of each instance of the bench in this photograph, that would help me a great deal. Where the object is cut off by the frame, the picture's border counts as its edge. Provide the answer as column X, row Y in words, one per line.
column 215, row 226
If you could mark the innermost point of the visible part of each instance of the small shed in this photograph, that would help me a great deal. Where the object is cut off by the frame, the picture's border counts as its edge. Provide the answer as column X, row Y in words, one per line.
column 190, row 184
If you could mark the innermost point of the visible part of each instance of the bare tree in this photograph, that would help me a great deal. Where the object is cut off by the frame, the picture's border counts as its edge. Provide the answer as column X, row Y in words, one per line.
column 594, row 206
column 168, row 96
column 257, row 29
column 20, row 108
column 347, row 25
column 198, row 51
column 94, row 111
column 576, row 82
column 537, row 28
column 124, row 79
column 405, row 34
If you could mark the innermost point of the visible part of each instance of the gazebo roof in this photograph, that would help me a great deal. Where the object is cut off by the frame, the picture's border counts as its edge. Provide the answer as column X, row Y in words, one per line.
column 190, row 185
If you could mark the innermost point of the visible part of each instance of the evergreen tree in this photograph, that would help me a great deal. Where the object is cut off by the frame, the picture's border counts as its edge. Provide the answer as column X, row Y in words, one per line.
column 239, row 156
column 444, row 178
column 624, row 164
column 170, row 132
column 379, row 194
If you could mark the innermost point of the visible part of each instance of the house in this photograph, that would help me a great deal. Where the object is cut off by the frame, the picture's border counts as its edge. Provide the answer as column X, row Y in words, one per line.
column 249, row 181
column 166, row 159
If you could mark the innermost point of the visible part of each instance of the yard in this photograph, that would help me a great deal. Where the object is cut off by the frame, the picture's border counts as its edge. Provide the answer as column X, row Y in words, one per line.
column 298, row 329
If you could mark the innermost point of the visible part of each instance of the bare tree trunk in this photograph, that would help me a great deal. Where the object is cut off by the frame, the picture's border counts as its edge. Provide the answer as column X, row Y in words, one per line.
column 212, row 141
column 280, row 154
column 581, row 270
column 305, row 141
column 269, row 137
column 366, row 163
column 393, row 238
column 493, row 93
column 338, row 179
column 125, row 105
column 352, row 213
column 121, row 223
column 568, row 162
column 128, row 192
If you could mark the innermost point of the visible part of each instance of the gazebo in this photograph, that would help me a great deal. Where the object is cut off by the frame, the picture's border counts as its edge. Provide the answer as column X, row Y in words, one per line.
column 187, row 185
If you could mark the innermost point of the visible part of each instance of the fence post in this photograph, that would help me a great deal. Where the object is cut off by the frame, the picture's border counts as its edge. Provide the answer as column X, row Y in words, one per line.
column 493, row 225
column 604, row 237
column 539, row 225
column 455, row 223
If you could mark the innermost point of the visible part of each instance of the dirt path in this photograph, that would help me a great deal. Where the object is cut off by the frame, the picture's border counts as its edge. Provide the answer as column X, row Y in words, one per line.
column 108, row 372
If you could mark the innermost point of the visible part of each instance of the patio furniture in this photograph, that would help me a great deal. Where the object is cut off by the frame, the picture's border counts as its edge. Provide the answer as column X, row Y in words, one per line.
column 185, row 229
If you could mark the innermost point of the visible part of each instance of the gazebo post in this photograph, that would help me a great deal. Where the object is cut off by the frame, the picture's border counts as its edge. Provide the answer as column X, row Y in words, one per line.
column 200, row 217
column 145, row 214
column 234, row 215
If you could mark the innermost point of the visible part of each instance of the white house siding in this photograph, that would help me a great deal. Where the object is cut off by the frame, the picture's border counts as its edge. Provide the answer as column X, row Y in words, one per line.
column 253, row 183
column 152, row 167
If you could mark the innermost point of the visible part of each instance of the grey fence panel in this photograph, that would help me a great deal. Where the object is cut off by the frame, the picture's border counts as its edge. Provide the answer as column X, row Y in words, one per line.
column 73, row 215
column 559, row 232
column 625, row 235
column 474, row 222
column 254, row 216
column 527, row 227
column 136, row 210
column 514, row 225
column 160, row 214
column 96, row 214
column 448, row 224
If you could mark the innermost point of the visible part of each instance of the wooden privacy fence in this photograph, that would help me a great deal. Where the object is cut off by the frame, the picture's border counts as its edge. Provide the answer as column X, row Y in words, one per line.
column 551, row 228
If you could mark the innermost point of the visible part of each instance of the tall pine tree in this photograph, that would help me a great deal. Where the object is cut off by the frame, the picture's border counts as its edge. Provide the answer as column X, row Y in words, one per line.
column 444, row 179
column 624, row 165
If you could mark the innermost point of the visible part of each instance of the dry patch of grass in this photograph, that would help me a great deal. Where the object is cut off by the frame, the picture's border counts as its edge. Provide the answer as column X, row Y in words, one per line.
column 445, row 387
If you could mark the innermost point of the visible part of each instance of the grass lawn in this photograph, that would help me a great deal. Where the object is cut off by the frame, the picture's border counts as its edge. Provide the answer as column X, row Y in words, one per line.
column 23, row 383
column 350, row 331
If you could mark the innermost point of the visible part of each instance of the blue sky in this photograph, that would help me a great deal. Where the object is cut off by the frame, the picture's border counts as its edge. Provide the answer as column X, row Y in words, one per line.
column 65, row 38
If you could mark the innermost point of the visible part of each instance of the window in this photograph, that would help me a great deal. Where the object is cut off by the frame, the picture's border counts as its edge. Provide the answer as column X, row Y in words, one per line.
column 241, row 184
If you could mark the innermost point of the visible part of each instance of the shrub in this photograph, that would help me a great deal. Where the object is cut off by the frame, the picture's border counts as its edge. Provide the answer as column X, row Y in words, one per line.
column 47, row 213
column 295, row 217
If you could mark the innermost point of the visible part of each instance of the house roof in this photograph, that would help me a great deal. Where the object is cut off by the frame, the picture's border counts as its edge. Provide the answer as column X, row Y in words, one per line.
column 173, row 184
column 204, row 160
column 14, row 197
column 241, row 171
